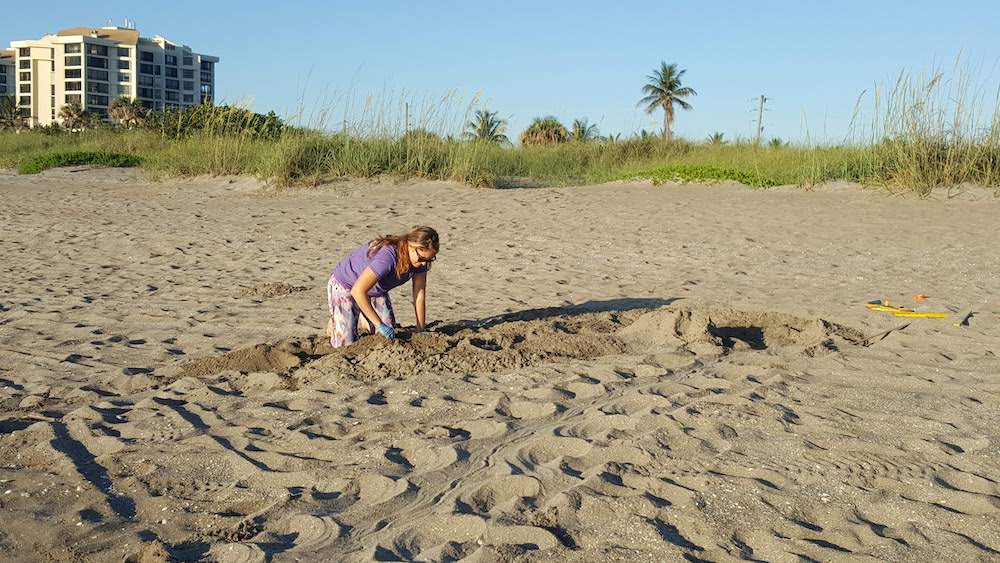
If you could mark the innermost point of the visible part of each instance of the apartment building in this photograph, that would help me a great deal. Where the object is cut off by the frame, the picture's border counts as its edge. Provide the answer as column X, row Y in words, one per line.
column 6, row 73
column 94, row 66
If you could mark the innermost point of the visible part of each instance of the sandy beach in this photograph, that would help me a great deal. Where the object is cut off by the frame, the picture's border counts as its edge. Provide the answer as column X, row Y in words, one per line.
column 623, row 372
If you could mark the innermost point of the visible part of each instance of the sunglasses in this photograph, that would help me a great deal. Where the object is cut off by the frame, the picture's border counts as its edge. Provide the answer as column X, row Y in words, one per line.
column 425, row 260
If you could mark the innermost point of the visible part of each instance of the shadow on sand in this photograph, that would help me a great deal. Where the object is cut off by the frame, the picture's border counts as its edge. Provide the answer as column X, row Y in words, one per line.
column 601, row 306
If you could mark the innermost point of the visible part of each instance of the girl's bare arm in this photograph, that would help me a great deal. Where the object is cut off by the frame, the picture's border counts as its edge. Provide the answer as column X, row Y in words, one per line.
column 359, row 291
column 419, row 301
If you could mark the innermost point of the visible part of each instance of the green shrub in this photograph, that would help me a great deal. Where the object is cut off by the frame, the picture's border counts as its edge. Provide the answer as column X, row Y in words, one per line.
column 176, row 123
column 78, row 158
column 701, row 173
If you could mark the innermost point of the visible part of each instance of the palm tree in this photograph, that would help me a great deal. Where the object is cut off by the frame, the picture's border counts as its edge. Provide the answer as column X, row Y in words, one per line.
column 583, row 131
column 10, row 115
column 486, row 126
column 717, row 139
column 73, row 116
column 128, row 111
column 543, row 131
column 663, row 90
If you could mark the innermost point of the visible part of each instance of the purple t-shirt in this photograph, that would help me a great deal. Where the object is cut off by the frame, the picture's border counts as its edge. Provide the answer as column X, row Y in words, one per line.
column 383, row 263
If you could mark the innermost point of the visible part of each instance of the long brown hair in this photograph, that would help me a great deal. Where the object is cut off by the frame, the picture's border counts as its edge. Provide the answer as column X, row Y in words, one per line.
column 419, row 238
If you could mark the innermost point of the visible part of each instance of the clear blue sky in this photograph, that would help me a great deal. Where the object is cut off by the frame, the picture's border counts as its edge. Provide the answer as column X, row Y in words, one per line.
column 580, row 59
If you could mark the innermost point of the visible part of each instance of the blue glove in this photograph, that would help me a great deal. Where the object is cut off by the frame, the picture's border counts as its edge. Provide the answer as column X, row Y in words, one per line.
column 386, row 331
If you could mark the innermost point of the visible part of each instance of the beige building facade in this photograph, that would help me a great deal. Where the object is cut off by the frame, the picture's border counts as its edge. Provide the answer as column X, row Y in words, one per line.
column 7, row 64
column 95, row 66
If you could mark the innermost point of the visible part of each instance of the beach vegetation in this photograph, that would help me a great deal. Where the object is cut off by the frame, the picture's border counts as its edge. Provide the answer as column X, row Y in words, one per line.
column 922, row 132
column 663, row 91
column 583, row 131
column 42, row 162
column 487, row 127
column 544, row 131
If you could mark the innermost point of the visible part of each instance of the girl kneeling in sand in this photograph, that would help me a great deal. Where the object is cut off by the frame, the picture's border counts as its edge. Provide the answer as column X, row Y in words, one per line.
column 361, row 282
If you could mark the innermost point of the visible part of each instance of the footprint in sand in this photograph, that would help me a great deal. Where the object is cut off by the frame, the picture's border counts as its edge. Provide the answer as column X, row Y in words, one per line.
column 376, row 489
column 525, row 536
column 424, row 459
column 502, row 493
column 530, row 409
column 237, row 553
column 434, row 538
column 544, row 450
column 311, row 533
column 584, row 389
column 484, row 428
column 596, row 427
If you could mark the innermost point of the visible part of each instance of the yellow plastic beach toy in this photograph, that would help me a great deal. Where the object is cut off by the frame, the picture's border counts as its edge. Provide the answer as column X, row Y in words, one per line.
column 883, row 305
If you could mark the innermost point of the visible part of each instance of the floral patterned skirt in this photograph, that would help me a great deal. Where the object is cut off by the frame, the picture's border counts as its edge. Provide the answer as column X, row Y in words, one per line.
column 346, row 315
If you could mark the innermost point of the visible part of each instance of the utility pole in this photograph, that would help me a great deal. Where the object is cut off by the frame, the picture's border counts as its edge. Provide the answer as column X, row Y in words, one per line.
column 760, row 118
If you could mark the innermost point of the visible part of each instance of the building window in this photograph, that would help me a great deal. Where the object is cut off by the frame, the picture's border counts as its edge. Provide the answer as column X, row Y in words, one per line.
column 173, row 97
column 122, row 51
column 24, row 76
column 188, row 61
column 170, row 59
column 146, row 93
column 24, row 52
column 173, row 84
column 25, row 100
column 188, row 73
column 3, row 89
column 73, row 61
column 24, row 64
column 124, row 77
column 206, row 77
column 97, row 62
column 73, row 73
column 171, row 72
column 146, row 56
column 169, row 47
column 124, row 65
column 25, row 88
column 97, row 74
column 188, row 85
column 97, row 87
column 145, row 81
column 101, row 50
column 3, row 78
column 72, row 48
column 189, row 98
column 206, row 65
column 97, row 100
column 124, row 90
column 73, row 99
column 71, row 86
column 99, row 112
column 145, row 68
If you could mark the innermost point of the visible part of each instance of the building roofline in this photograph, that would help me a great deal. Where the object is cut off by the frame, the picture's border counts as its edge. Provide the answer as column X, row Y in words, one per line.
column 120, row 35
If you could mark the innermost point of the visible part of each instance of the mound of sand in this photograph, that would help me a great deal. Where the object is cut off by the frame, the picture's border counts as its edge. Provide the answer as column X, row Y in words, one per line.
column 455, row 348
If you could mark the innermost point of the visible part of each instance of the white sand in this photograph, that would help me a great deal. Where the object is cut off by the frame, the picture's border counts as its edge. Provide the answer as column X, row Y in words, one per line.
column 165, row 388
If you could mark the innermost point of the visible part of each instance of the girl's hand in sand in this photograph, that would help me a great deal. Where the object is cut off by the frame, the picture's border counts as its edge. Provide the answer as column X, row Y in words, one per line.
column 386, row 331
